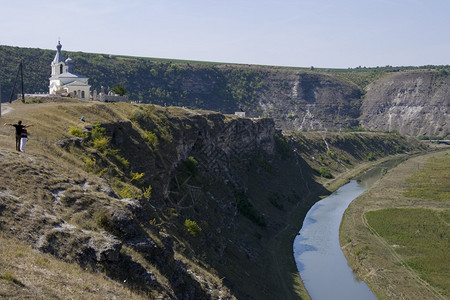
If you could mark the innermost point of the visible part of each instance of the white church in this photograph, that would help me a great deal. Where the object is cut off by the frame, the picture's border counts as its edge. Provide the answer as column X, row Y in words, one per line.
column 64, row 81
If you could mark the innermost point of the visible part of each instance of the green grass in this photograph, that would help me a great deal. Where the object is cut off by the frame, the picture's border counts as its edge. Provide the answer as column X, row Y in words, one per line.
column 422, row 237
column 398, row 245
column 432, row 181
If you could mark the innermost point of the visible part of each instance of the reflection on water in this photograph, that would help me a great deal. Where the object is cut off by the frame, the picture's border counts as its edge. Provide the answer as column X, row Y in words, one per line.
column 320, row 261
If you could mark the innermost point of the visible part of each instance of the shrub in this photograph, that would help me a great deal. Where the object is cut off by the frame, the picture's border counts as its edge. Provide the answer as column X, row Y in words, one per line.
column 282, row 146
column 191, row 165
column 101, row 144
column 136, row 178
column 248, row 210
column 75, row 131
column 90, row 165
column 98, row 132
column 128, row 191
column 123, row 161
column 147, row 192
column 399, row 148
column 192, row 227
column 331, row 154
column 344, row 159
column 119, row 89
column 166, row 133
column 151, row 138
column 325, row 172
column 99, row 139
column 371, row 157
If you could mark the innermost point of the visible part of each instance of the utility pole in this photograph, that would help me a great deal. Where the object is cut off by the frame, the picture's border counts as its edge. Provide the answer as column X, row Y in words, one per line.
column 14, row 85
column 0, row 99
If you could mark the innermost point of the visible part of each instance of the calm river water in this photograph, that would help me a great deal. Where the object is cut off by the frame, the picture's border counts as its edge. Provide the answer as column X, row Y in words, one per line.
column 320, row 261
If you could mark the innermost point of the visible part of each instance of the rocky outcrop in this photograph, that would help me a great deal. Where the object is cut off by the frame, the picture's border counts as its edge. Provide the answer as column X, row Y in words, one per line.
column 309, row 101
column 412, row 103
column 72, row 244
column 215, row 140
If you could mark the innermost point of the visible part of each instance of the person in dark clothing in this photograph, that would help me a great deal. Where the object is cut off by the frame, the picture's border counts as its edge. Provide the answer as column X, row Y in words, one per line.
column 19, row 128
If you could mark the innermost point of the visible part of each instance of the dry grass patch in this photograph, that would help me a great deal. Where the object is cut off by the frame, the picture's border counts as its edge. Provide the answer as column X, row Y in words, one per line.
column 28, row 274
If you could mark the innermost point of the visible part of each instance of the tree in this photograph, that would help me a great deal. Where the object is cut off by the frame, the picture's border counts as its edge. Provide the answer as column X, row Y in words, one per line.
column 120, row 89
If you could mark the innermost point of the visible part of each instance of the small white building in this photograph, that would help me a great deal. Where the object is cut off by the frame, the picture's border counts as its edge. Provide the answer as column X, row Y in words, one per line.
column 240, row 113
column 64, row 81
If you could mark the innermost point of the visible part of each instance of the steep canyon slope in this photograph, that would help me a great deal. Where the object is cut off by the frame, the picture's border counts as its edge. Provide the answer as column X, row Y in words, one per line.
column 413, row 103
column 164, row 201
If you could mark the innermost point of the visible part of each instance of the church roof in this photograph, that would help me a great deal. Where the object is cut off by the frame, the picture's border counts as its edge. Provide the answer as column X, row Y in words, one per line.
column 68, row 75
column 75, row 83
column 58, row 57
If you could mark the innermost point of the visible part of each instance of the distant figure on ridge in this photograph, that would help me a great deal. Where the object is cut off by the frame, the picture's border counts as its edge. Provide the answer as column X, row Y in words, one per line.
column 19, row 131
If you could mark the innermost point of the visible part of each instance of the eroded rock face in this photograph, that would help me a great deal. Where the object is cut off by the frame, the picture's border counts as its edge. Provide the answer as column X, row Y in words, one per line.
column 309, row 101
column 413, row 103
column 72, row 244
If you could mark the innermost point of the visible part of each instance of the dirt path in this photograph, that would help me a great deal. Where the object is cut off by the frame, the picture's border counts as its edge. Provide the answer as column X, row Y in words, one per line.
column 5, row 109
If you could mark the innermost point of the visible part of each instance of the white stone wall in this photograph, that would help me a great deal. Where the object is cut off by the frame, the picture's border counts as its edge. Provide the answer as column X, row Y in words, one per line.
column 82, row 92
column 110, row 98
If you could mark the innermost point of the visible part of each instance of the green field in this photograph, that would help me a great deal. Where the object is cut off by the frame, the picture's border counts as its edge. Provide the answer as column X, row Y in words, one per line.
column 421, row 237
column 432, row 181
column 396, row 236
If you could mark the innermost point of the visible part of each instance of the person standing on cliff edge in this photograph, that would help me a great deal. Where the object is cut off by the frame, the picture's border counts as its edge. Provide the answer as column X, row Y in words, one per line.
column 19, row 128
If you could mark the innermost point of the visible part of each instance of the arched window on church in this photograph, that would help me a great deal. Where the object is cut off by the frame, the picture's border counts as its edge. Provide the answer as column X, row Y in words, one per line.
column 60, row 69
column 82, row 94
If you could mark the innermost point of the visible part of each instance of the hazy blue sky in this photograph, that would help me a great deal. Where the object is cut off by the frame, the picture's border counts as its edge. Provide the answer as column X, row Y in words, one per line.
column 320, row 33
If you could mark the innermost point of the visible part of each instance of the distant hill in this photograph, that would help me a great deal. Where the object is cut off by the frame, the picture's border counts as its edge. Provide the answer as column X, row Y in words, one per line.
column 296, row 98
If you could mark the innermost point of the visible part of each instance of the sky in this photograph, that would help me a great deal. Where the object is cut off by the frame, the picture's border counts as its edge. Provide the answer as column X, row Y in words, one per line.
column 297, row 33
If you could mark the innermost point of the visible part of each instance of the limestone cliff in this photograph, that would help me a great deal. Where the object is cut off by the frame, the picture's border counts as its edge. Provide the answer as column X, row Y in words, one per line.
column 309, row 101
column 412, row 103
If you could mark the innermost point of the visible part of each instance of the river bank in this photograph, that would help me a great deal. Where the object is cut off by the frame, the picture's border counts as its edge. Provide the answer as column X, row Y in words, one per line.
column 318, row 253
column 283, row 245
column 385, row 266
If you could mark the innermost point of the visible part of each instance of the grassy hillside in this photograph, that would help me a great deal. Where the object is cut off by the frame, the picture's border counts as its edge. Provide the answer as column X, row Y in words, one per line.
column 166, row 201
column 183, row 83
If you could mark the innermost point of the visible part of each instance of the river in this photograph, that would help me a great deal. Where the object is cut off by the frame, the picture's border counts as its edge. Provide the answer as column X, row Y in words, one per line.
column 320, row 261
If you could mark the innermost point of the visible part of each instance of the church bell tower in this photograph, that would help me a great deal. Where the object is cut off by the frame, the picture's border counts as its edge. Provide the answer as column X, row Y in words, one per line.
column 58, row 61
